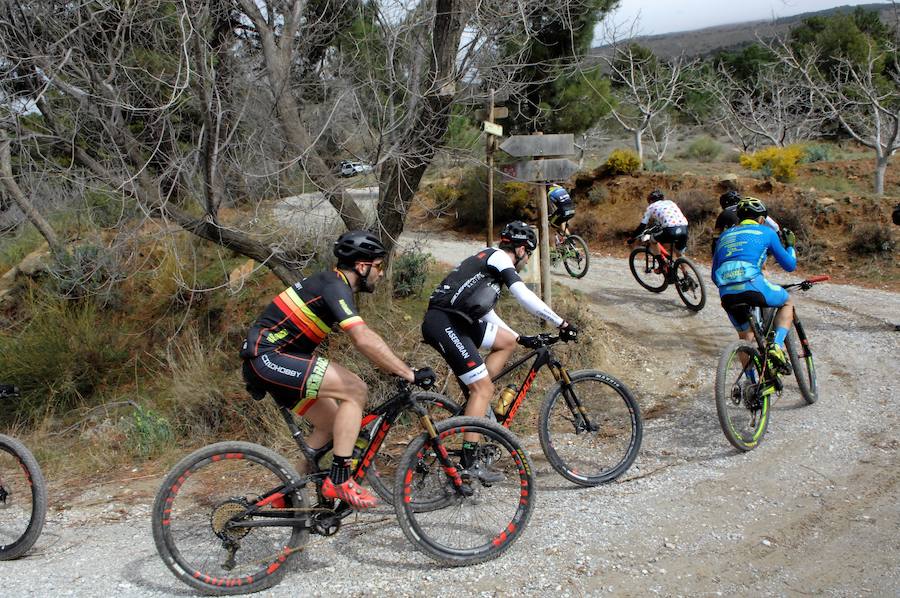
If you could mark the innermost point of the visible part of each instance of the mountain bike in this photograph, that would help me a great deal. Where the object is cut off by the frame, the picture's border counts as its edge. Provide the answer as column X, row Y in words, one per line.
column 656, row 271
column 590, row 425
column 23, row 493
column 572, row 252
column 746, row 381
column 229, row 517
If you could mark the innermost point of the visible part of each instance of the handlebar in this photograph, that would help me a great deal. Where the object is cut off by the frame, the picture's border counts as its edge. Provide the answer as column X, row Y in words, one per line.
column 544, row 339
column 805, row 285
column 648, row 233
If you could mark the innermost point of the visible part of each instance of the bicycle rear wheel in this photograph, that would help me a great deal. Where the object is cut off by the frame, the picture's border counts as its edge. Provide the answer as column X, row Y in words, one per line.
column 479, row 521
column 199, row 509
column 804, row 369
column 590, row 431
column 689, row 284
column 23, row 499
column 383, row 469
column 648, row 270
column 575, row 256
column 742, row 406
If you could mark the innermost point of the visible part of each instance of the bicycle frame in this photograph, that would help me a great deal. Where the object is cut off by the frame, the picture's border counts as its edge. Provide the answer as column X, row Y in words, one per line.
column 387, row 413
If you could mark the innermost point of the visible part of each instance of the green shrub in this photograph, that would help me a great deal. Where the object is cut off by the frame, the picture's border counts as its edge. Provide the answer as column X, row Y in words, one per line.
column 817, row 152
column 106, row 209
column 621, row 161
column 147, row 432
column 696, row 205
column 778, row 162
column 597, row 195
column 410, row 270
column 655, row 166
column 88, row 271
column 15, row 246
column 512, row 200
column 703, row 149
column 872, row 238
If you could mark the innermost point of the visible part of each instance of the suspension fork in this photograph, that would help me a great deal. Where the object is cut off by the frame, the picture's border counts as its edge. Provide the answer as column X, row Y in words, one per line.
column 582, row 419
column 440, row 450
column 801, row 336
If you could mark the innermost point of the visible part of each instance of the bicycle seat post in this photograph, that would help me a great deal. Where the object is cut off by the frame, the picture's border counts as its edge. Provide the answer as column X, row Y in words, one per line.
column 297, row 435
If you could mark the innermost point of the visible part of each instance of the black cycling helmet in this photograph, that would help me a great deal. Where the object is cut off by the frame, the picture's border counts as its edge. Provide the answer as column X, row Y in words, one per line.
column 729, row 198
column 518, row 234
column 751, row 208
column 358, row 245
column 655, row 195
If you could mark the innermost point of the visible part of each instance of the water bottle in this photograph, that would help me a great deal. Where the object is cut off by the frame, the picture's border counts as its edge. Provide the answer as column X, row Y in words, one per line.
column 506, row 398
column 359, row 449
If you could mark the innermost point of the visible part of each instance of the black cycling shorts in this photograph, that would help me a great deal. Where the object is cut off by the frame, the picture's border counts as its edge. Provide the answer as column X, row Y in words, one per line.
column 292, row 380
column 458, row 341
column 561, row 216
column 735, row 305
column 678, row 235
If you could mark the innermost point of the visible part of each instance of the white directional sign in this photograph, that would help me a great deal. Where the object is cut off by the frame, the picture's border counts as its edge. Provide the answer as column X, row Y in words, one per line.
column 522, row 146
column 493, row 129
column 555, row 169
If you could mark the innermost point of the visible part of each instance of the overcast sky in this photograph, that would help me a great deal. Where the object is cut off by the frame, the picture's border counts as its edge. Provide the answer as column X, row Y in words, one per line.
column 664, row 16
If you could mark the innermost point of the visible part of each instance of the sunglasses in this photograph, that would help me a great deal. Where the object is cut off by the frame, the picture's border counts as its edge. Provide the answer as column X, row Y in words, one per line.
column 378, row 266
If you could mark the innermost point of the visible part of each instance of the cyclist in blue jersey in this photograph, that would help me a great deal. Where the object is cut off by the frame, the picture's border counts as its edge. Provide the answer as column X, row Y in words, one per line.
column 737, row 271
column 563, row 205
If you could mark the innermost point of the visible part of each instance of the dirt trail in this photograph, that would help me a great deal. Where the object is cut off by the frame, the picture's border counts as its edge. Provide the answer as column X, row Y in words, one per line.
column 814, row 510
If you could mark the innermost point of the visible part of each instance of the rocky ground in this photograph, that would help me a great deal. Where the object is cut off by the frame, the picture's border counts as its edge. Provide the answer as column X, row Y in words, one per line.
column 814, row 510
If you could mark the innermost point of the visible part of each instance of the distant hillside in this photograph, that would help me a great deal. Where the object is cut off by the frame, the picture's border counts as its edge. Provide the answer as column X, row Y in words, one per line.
column 702, row 42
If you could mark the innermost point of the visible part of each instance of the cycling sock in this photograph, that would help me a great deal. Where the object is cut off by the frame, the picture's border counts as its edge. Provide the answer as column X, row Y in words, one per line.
column 340, row 470
column 780, row 335
column 468, row 453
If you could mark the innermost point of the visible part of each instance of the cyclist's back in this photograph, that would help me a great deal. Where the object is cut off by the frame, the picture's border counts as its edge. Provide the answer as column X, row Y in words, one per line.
column 742, row 250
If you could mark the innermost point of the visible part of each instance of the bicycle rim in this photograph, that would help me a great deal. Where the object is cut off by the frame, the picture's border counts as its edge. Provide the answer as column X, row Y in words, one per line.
column 741, row 405
column 383, row 469
column 486, row 520
column 689, row 284
column 804, row 368
column 575, row 256
column 23, row 499
column 200, row 506
column 648, row 270
column 592, row 432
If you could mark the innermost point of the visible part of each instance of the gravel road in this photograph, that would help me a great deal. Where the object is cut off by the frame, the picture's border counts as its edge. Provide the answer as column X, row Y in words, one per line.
column 814, row 510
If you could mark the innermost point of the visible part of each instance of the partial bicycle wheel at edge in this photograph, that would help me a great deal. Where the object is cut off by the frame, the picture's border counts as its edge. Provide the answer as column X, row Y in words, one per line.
column 592, row 432
column 804, row 368
column 689, row 284
column 202, row 502
column 575, row 256
column 23, row 499
column 383, row 470
column 743, row 414
column 479, row 521
column 647, row 269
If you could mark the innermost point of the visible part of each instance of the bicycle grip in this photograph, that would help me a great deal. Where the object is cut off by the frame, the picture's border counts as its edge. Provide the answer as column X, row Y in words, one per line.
column 818, row 278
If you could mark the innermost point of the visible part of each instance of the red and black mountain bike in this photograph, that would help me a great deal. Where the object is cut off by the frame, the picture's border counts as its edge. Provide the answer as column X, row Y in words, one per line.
column 229, row 517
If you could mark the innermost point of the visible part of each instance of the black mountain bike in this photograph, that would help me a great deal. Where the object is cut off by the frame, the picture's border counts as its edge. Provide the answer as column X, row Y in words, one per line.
column 23, row 493
column 746, row 382
column 229, row 517
column 655, row 272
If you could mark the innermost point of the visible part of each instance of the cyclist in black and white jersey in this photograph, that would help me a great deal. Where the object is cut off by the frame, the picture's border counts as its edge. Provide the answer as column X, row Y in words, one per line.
column 461, row 319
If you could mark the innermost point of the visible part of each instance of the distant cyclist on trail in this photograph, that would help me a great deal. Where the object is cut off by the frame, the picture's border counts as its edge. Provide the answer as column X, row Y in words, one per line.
column 461, row 319
column 665, row 213
column 279, row 355
column 737, row 271
column 563, row 205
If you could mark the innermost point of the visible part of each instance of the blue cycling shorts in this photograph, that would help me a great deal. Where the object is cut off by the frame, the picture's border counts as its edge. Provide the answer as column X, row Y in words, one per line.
column 759, row 292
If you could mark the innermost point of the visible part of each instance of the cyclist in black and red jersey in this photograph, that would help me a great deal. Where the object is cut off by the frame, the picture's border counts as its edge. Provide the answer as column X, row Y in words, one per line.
column 461, row 319
column 279, row 355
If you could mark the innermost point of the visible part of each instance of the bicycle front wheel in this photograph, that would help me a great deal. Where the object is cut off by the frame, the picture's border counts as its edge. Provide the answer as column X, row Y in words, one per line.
column 648, row 270
column 383, row 469
column 23, row 499
column 742, row 403
column 590, row 429
column 804, row 369
column 575, row 256
column 210, row 515
column 689, row 284
column 479, row 520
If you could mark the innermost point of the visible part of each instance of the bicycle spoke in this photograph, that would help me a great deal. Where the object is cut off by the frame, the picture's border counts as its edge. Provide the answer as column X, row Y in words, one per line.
column 742, row 396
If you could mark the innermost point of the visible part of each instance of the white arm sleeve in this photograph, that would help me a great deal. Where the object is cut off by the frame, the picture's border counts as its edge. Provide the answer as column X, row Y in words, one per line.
column 533, row 304
column 493, row 318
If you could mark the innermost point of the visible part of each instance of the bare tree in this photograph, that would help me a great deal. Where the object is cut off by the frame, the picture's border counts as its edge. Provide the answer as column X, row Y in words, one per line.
column 773, row 106
column 646, row 87
column 864, row 96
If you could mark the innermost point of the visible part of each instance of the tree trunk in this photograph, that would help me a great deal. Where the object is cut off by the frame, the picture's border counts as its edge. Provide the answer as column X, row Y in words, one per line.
column 35, row 217
column 639, row 145
column 881, row 163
